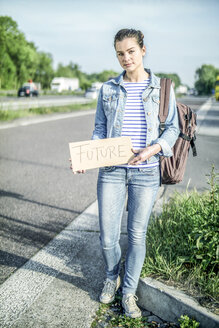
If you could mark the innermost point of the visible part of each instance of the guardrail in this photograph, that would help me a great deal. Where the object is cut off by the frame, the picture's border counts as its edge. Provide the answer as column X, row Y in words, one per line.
column 37, row 102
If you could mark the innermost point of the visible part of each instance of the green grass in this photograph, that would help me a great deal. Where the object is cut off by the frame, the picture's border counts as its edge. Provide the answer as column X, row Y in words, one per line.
column 8, row 115
column 182, row 243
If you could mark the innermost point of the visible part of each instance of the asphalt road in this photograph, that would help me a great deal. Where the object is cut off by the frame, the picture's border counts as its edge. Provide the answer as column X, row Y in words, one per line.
column 39, row 193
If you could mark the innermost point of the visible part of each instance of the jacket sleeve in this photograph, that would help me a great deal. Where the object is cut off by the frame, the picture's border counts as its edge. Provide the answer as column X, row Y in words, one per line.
column 171, row 132
column 100, row 130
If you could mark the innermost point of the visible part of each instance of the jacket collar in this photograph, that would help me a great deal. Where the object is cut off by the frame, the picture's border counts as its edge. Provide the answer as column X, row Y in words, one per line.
column 154, row 83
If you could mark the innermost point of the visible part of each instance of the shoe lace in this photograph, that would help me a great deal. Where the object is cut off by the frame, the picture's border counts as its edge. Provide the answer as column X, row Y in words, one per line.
column 109, row 287
column 131, row 302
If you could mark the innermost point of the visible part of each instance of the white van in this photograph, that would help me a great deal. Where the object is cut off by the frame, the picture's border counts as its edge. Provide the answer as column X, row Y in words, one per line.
column 60, row 84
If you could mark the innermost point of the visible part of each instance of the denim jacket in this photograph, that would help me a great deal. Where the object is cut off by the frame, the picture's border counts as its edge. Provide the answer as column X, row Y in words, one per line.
column 111, row 107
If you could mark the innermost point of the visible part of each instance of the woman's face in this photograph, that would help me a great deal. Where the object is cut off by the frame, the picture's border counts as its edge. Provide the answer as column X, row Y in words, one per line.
column 129, row 54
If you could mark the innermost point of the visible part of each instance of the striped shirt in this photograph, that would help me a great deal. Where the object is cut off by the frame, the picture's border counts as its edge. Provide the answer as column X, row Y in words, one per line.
column 134, row 122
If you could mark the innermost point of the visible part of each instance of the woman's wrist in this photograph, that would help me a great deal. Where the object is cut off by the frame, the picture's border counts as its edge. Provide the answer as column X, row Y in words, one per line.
column 154, row 149
column 144, row 154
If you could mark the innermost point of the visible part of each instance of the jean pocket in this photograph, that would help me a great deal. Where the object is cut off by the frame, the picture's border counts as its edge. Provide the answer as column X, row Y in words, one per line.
column 152, row 171
column 107, row 169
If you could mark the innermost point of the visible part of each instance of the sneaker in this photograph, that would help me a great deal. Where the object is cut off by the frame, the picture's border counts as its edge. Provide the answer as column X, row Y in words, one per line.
column 109, row 290
column 130, row 306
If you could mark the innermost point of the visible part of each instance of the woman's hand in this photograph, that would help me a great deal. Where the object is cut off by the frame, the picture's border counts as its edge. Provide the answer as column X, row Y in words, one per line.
column 79, row 171
column 144, row 154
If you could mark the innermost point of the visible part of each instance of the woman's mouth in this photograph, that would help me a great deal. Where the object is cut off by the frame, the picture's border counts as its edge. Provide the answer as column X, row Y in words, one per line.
column 127, row 65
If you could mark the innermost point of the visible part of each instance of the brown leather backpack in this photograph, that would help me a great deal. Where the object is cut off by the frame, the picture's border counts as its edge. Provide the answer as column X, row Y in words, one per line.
column 173, row 168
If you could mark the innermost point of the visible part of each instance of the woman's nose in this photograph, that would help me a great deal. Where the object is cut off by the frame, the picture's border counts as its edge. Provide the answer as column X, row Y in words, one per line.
column 126, row 57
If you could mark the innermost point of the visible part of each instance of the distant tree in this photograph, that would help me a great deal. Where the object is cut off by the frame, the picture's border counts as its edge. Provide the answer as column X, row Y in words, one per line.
column 173, row 76
column 44, row 72
column 18, row 57
column 64, row 71
column 75, row 69
column 7, row 66
column 85, row 83
column 8, row 75
column 26, row 60
column 205, row 77
column 106, row 75
column 72, row 70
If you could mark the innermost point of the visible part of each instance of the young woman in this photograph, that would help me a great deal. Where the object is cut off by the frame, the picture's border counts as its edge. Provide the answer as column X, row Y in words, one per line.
column 128, row 105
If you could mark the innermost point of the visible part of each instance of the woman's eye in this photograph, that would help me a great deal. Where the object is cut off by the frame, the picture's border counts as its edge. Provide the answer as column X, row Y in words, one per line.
column 131, row 51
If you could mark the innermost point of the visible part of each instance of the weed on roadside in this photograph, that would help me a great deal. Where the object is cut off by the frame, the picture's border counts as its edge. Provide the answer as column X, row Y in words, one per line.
column 182, row 243
column 186, row 322
column 112, row 316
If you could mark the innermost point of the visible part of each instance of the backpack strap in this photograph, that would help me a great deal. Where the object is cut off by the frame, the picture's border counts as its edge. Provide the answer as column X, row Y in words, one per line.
column 165, row 85
column 194, row 151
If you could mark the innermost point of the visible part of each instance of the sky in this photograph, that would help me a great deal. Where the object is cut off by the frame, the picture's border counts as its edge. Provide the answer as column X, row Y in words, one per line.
column 180, row 36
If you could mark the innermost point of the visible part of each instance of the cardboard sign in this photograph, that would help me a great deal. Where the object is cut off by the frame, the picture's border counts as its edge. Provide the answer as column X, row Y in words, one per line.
column 91, row 154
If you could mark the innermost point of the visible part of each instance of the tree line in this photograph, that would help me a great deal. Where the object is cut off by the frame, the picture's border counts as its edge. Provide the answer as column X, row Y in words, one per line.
column 20, row 61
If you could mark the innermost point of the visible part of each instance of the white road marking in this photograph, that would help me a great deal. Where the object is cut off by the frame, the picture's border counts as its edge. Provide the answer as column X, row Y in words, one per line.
column 205, row 107
column 202, row 118
column 23, row 287
column 208, row 131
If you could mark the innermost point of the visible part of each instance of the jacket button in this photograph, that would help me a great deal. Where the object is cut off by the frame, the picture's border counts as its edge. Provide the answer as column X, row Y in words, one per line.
column 145, row 99
column 149, row 113
column 149, row 129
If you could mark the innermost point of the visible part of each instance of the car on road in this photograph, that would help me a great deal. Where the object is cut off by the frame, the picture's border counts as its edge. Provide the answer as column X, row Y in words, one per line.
column 192, row 92
column 28, row 90
column 91, row 93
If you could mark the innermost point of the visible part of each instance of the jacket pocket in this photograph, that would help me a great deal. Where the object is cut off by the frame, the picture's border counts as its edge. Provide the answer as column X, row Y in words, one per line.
column 155, row 106
column 156, row 99
column 110, row 103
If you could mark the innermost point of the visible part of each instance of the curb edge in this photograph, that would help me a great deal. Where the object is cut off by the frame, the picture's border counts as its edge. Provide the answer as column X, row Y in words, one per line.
column 169, row 303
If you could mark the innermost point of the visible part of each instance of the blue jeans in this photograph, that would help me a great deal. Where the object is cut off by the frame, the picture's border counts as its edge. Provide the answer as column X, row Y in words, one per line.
column 142, row 186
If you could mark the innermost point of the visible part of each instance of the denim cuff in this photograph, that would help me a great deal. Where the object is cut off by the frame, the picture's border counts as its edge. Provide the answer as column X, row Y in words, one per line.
column 166, row 149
